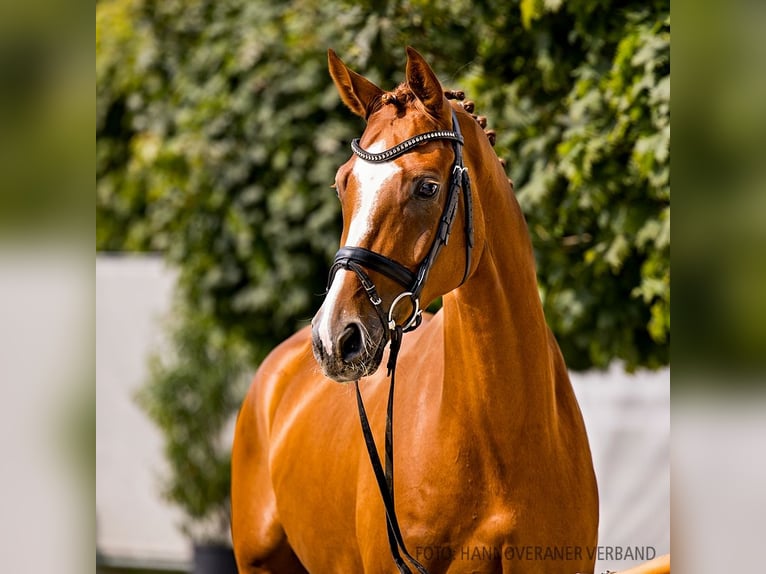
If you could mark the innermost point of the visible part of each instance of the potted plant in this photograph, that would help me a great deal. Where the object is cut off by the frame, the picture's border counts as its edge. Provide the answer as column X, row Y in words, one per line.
column 192, row 394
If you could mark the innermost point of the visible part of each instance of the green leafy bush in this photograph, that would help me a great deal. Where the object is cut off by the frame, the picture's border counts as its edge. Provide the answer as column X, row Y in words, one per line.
column 190, row 395
column 219, row 133
column 581, row 93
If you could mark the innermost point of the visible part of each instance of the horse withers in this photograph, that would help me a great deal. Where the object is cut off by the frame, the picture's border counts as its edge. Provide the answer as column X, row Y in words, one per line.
column 493, row 467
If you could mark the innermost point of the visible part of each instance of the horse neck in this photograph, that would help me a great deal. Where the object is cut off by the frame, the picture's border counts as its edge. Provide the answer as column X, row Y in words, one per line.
column 498, row 355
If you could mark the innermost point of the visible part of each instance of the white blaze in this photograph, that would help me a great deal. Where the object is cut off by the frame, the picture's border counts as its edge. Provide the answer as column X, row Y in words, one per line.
column 370, row 178
column 327, row 310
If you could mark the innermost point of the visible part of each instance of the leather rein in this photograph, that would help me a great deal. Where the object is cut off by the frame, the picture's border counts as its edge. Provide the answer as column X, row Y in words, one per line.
column 357, row 259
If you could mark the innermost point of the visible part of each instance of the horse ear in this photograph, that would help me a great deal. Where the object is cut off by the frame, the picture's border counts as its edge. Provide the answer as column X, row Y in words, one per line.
column 424, row 84
column 356, row 91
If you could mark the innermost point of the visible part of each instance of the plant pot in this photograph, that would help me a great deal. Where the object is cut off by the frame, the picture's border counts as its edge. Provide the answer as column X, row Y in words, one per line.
column 213, row 559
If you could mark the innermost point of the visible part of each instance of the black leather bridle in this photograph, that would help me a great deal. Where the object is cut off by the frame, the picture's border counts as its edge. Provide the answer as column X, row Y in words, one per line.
column 357, row 259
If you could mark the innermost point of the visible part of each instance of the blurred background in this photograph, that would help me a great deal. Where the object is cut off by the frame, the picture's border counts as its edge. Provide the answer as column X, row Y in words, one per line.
column 217, row 135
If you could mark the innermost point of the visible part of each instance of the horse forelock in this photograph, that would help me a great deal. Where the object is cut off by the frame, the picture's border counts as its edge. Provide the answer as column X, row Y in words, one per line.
column 403, row 101
column 399, row 97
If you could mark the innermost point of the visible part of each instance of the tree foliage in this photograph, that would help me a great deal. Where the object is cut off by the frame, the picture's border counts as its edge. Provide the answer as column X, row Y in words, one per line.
column 219, row 133
column 582, row 89
column 191, row 394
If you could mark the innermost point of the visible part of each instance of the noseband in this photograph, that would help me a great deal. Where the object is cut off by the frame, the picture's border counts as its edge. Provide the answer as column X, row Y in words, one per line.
column 357, row 259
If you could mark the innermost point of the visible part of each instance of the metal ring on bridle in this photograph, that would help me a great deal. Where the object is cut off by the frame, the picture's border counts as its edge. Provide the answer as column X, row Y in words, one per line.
column 412, row 319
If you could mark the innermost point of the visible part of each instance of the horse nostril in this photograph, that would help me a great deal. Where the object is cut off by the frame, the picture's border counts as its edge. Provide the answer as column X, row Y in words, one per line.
column 350, row 342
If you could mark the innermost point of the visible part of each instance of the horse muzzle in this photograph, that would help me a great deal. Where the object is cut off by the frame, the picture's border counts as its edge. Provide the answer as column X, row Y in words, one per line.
column 347, row 350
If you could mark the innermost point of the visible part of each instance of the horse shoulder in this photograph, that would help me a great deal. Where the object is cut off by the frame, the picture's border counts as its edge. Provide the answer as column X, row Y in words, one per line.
column 267, row 389
column 259, row 539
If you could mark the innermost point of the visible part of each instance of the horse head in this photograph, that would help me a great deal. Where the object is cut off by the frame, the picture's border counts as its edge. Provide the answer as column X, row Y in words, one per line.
column 399, row 193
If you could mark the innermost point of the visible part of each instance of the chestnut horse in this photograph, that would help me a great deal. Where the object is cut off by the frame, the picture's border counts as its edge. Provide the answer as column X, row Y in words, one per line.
column 493, row 466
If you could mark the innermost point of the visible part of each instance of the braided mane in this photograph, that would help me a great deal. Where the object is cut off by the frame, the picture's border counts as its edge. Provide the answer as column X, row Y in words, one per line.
column 402, row 95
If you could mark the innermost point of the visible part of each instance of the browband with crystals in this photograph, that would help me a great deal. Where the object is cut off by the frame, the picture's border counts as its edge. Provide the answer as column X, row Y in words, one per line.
column 404, row 147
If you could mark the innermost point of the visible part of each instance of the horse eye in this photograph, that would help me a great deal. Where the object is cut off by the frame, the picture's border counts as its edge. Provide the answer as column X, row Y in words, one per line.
column 427, row 189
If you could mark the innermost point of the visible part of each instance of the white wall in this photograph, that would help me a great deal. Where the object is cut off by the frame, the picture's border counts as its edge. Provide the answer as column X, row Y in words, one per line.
column 133, row 294
column 628, row 420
